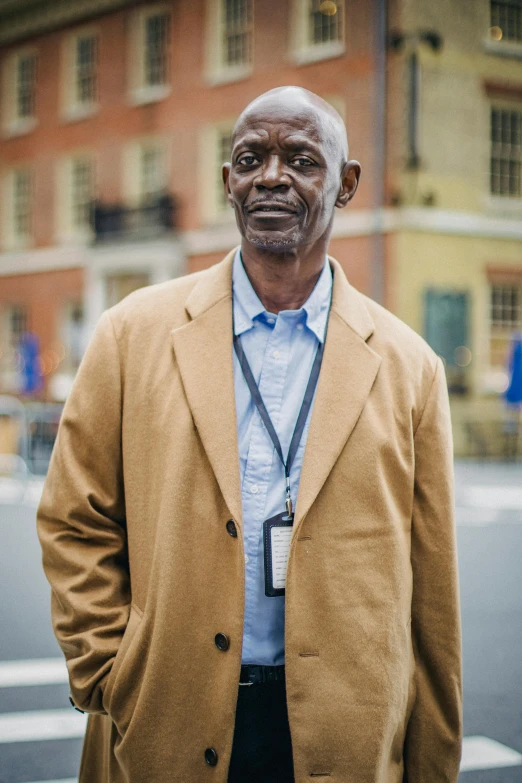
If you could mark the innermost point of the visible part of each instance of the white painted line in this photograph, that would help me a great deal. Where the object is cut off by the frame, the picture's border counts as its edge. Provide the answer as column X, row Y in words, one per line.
column 15, row 491
column 40, row 725
column 63, row 780
column 40, row 671
column 484, row 753
column 494, row 497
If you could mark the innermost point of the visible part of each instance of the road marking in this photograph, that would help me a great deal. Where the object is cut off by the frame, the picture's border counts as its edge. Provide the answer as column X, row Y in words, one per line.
column 20, row 492
column 63, row 780
column 493, row 497
column 484, row 753
column 40, row 671
column 40, row 725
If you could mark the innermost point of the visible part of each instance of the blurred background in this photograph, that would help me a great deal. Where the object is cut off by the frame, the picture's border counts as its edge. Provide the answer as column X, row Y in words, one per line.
column 115, row 119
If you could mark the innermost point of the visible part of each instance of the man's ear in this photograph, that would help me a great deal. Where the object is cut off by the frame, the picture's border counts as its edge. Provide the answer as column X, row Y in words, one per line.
column 225, row 173
column 350, row 175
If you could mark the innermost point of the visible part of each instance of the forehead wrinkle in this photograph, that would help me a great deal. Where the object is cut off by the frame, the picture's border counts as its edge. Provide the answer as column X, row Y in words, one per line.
column 325, row 127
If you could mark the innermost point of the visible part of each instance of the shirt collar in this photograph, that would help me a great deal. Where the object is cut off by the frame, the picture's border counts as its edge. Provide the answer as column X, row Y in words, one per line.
column 248, row 306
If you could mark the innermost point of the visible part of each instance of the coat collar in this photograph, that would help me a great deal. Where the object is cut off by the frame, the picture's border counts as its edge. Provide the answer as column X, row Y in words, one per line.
column 203, row 351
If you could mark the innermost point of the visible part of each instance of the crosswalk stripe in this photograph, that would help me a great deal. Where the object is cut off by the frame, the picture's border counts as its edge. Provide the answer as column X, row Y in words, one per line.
column 484, row 753
column 478, row 752
column 39, row 725
column 492, row 497
column 63, row 780
column 39, row 671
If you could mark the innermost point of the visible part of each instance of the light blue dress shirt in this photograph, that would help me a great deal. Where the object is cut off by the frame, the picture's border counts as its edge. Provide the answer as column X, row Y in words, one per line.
column 280, row 350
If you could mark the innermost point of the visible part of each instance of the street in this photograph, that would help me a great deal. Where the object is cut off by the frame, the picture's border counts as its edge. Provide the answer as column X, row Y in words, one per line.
column 40, row 734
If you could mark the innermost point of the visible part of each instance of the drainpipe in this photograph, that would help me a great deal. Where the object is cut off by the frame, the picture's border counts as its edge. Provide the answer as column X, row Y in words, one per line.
column 379, row 169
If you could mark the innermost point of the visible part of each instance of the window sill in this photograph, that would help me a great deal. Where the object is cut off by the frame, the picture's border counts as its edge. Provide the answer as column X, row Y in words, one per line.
column 20, row 127
column 18, row 244
column 313, row 54
column 503, row 48
column 143, row 95
column 80, row 111
column 227, row 75
column 75, row 237
column 504, row 206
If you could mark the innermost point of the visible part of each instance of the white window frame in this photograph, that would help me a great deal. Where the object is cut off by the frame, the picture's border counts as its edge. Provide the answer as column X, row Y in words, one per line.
column 502, row 204
column 217, row 70
column 213, row 208
column 66, row 228
column 496, row 330
column 140, row 91
column 70, row 362
column 505, row 197
column 304, row 51
column 133, row 167
column 12, row 239
column 12, row 123
column 73, row 107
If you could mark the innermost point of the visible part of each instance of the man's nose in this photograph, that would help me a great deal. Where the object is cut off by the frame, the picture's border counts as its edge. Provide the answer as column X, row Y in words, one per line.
column 272, row 174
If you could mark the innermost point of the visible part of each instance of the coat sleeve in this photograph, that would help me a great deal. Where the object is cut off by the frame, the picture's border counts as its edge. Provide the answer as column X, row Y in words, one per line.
column 81, row 523
column 434, row 734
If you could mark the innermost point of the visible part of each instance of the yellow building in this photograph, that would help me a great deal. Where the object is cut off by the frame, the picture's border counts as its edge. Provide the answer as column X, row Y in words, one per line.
column 455, row 175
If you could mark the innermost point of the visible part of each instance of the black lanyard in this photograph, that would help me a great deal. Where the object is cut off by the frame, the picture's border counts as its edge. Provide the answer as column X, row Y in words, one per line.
column 303, row 413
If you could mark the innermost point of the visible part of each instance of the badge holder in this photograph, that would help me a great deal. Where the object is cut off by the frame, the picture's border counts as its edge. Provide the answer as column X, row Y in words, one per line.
column 277, row 535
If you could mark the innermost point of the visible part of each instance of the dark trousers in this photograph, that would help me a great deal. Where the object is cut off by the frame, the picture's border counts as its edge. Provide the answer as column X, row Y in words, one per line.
column 262, row 748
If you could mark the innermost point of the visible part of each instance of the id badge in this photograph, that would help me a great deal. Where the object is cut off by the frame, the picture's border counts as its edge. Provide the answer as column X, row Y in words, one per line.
column 277, row 535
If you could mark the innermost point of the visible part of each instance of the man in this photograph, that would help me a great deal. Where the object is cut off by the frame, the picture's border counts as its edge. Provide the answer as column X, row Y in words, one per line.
column 251, row 545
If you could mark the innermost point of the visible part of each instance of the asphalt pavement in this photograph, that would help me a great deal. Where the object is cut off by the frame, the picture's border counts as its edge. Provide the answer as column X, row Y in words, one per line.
column 41, row 735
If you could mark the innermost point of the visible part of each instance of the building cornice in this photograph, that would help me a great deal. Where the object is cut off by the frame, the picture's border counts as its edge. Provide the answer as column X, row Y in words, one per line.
column 23, row 19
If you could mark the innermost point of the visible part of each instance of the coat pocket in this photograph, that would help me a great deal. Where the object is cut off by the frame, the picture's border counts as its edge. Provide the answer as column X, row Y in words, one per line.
column 133, row 624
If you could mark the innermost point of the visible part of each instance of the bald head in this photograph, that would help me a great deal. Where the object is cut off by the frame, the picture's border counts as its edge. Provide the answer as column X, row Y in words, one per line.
column 297, row 102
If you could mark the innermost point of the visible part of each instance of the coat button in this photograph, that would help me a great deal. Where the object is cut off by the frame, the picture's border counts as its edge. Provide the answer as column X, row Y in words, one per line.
column 222, row 641
column 231, row 528
column 211, row 757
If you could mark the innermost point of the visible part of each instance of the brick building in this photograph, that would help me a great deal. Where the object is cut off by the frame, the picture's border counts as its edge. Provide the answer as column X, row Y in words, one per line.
column 115, row 119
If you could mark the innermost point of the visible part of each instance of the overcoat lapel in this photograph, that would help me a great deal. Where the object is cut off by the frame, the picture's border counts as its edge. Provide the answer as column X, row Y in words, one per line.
column 347, row 375
column 203, row 350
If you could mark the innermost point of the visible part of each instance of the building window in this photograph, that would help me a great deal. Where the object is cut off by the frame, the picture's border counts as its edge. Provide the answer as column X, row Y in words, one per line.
column 85, row 69
column 506, row 152
column 72, row 335
column 156, row 52
column 236, row 32
column 25, row 86
column 16, row 324
column 152, row 172
column 22, row 204
column 19, row 92
column 82, row 193
column 505, row 318
column 325, row 20
column 150, row 68
column 318, row 29
column 506, row 19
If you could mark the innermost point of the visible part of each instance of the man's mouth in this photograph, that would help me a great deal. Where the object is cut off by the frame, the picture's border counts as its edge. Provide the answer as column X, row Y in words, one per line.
column 274, row 208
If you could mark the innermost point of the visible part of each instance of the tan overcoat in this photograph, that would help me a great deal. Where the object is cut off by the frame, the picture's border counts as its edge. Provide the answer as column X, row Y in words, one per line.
column 143, row 479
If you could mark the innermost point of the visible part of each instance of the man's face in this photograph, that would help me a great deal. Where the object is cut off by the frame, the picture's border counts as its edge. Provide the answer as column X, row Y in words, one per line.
column 284, row 178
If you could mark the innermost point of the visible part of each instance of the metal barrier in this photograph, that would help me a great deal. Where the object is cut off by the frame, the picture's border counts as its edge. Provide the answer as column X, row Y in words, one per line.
column 42, row 427
column 27, row 435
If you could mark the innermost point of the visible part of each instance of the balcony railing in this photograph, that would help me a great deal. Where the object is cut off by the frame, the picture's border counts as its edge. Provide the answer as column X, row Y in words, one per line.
column 113, row 222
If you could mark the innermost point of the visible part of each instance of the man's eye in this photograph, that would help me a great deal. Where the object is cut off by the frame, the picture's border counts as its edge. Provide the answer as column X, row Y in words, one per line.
column 247, row 160
column 303, row 161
